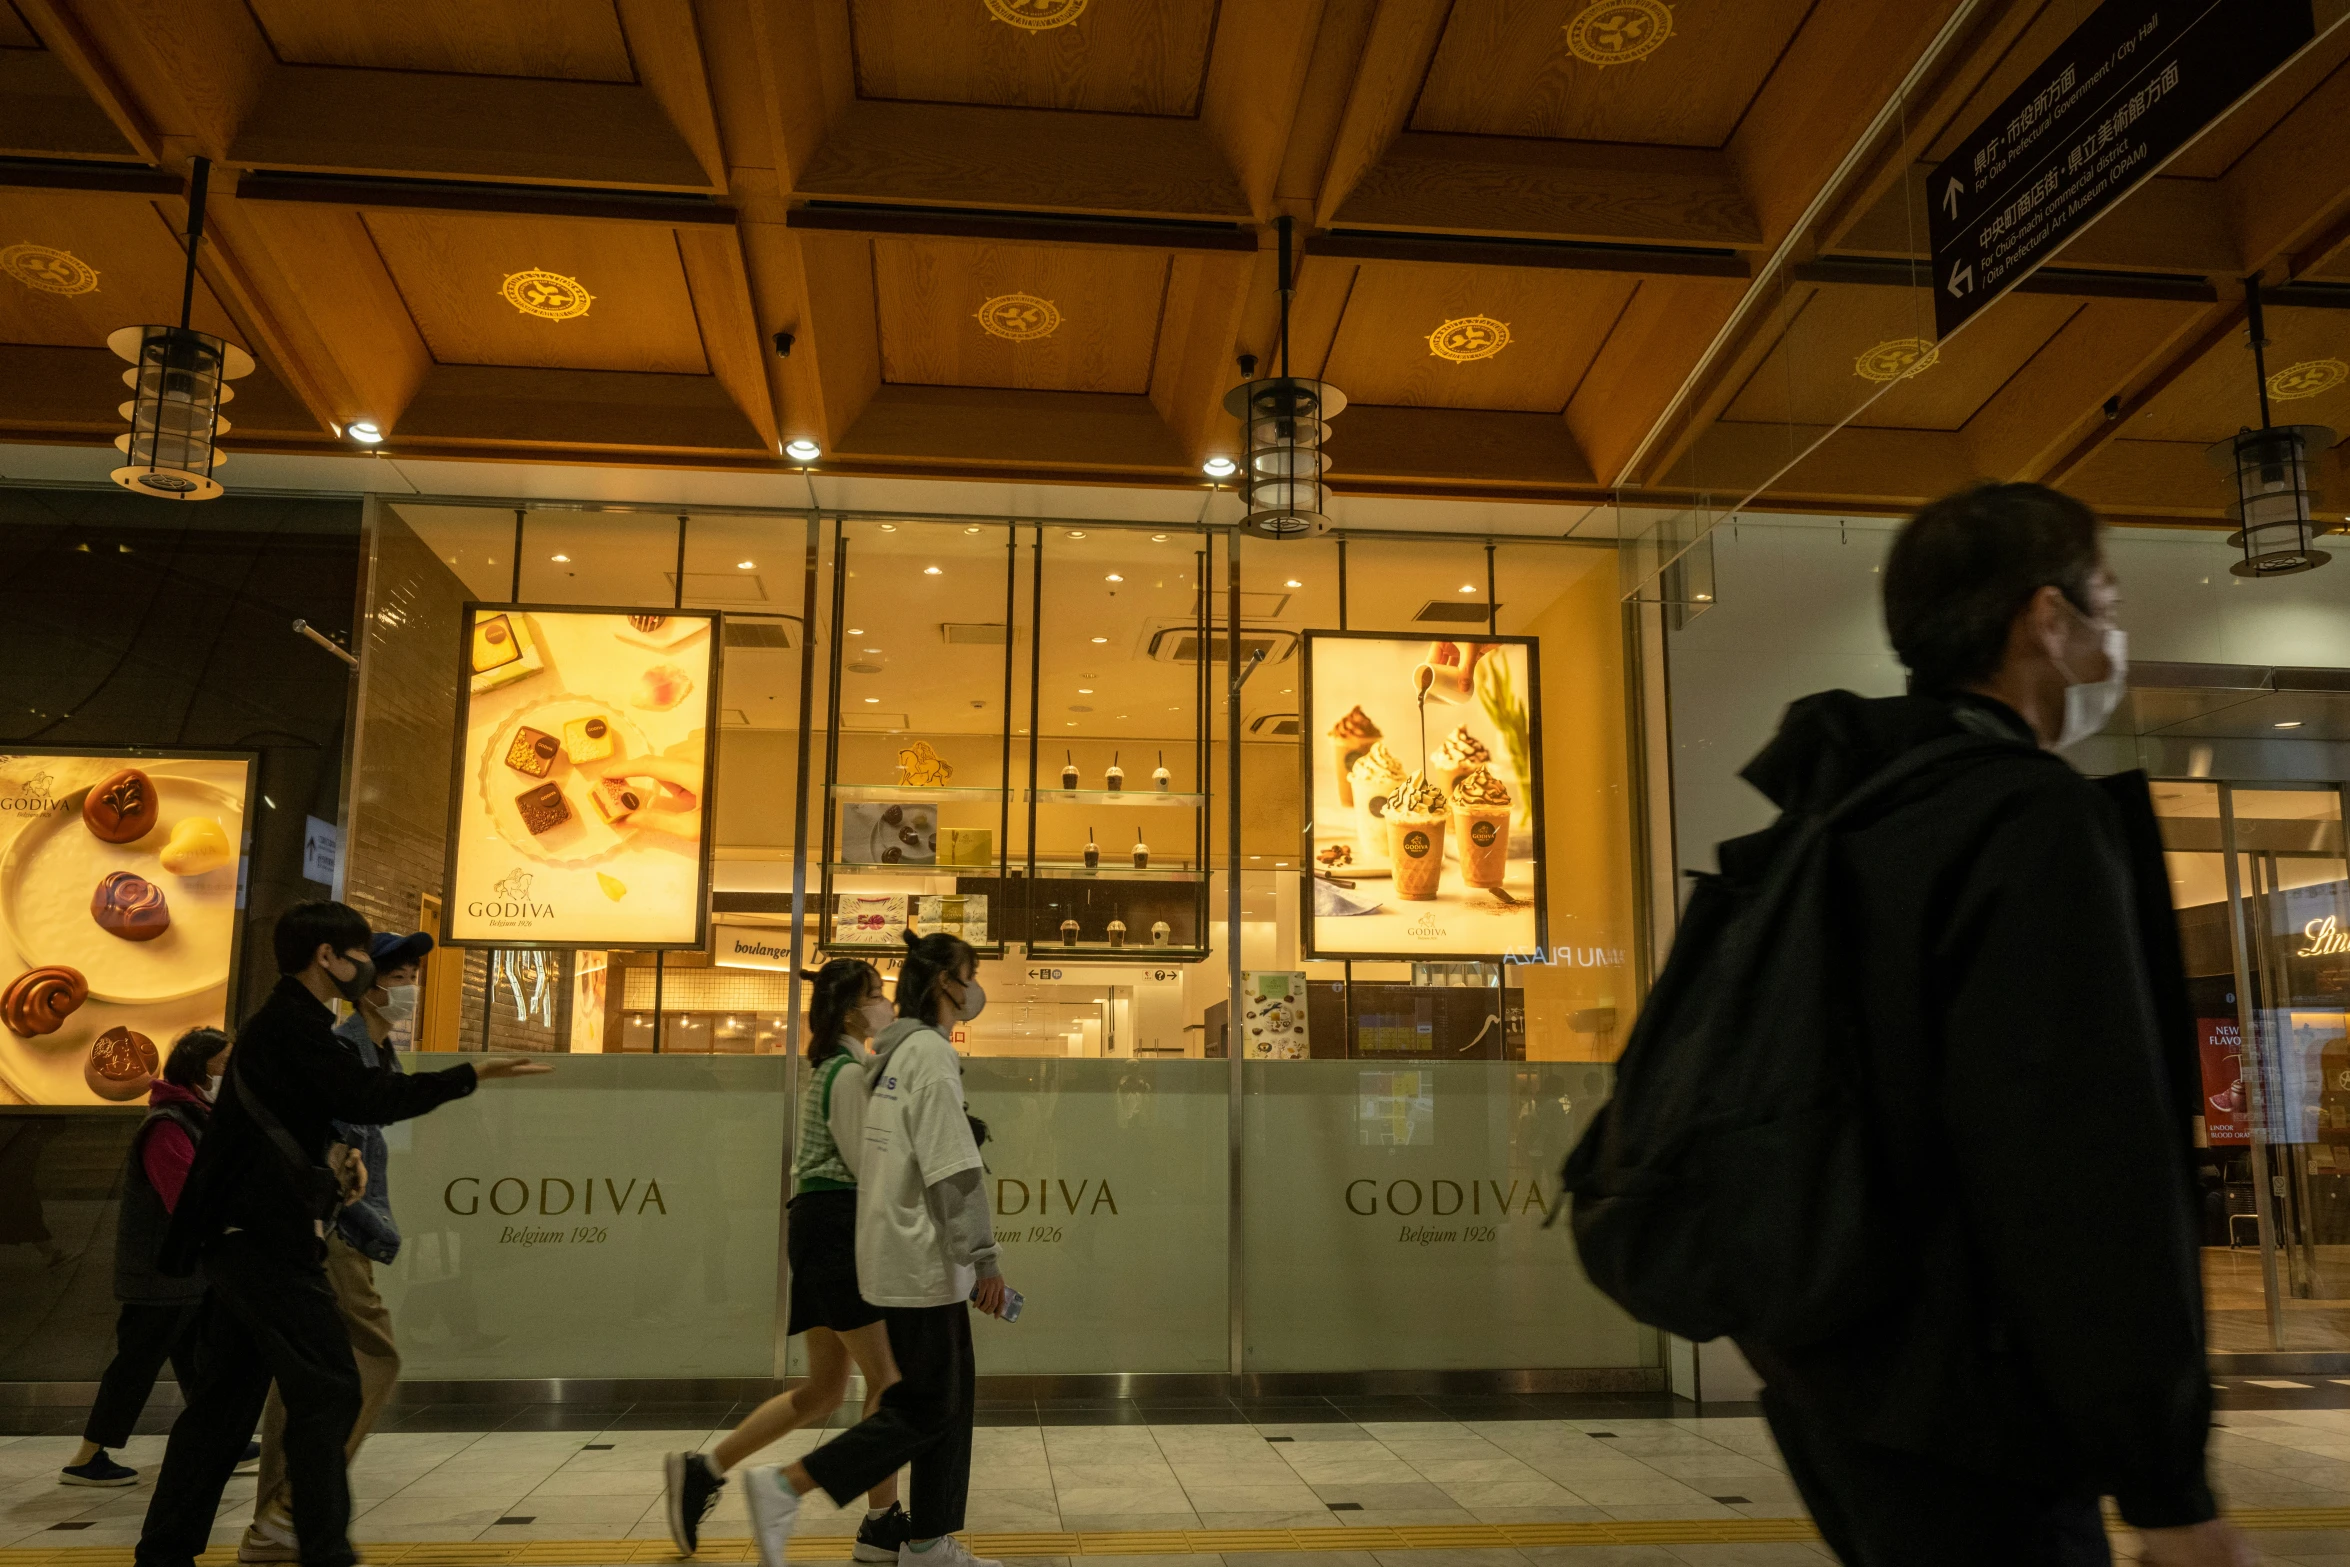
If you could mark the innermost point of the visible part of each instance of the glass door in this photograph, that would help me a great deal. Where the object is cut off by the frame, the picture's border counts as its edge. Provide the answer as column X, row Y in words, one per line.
column 2262, row 893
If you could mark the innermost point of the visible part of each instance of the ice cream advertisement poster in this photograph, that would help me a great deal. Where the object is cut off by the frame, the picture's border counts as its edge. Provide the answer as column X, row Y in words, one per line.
column 121, row 891
column 1424, row 796
column 579, row 805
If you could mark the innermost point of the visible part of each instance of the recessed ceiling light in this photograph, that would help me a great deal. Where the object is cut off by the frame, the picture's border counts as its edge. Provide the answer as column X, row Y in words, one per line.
column 1101, row 639
column 873, row 650
column 1219, row 468
column 1465, row 588
column 2290, row 723
column 873, row 699
column 365, row 431
column 889, row 527
column 1158, row 538
column 974, row 528
column 1293, row 583
column 803, row 449
column 1077, row 533
column 1085, row 690
column 1113, row 577
column 744, row 565
column 560, row 560
column 932, row 571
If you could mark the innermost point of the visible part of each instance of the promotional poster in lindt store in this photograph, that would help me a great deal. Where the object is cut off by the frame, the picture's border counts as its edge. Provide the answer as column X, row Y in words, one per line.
column 119, row 888
column 579, row 810
column 1424, row 809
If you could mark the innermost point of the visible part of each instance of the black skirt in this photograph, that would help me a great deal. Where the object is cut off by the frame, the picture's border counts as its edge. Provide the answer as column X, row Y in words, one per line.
column 821, row 1242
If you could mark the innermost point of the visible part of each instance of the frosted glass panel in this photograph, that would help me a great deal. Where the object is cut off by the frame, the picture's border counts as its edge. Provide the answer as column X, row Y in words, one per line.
column 1395, row 1219
column 617, row 1219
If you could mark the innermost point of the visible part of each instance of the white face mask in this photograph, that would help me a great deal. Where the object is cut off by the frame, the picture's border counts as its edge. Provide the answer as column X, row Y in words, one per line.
column 2088, row 704
column 974, row 1000
column 877, row 1014
column 399, row 1003
column 211, row 1088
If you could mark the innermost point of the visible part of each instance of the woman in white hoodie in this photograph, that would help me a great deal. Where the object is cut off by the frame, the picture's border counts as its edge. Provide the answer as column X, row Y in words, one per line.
column 925, row 1246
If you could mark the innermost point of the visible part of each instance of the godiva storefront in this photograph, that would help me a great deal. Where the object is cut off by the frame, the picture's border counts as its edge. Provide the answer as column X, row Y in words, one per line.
column 1296, row 1002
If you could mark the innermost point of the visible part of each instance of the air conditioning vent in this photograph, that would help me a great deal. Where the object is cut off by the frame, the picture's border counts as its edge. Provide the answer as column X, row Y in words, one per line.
column 1454, row 612
column 743, row 631
column 1253, row 605
column 1275, row 724
column 978, row 633
column 856, row 719
column 1181, row 645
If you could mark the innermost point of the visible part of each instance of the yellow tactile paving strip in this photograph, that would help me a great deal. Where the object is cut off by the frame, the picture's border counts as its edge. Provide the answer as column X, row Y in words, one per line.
column 1172, row 1542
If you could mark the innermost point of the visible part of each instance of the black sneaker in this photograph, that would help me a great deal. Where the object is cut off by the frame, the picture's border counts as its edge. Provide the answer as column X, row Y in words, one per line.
column 100, row 1470
column 693, row 1491
column 878, row 1539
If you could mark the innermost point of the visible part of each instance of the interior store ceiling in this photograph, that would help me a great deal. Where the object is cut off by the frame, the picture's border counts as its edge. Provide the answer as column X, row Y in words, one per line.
column 1029, row 238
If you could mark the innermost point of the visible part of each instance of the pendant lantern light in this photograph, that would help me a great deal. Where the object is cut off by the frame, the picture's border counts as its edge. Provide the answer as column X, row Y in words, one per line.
column 1284, row 420
column 2274, row 496
column 178, row 379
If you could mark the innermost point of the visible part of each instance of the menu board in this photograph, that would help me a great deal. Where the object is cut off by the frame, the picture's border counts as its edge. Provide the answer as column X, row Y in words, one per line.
column 1424, row 797
column 579, row 806
column 121, row 881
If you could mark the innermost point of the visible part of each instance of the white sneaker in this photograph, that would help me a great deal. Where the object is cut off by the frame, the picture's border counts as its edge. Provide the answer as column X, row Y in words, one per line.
column 773, row 1506
column 949, row 1552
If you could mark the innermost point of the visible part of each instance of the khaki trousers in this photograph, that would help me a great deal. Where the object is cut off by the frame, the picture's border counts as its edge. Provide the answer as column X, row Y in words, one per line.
column 369, row 1324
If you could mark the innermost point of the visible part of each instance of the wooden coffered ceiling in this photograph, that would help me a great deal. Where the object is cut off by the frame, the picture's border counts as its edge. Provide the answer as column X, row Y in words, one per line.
column 1548, row 248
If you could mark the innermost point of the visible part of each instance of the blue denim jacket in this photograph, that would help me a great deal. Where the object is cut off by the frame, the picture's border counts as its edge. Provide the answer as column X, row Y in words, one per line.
column 366, row 1226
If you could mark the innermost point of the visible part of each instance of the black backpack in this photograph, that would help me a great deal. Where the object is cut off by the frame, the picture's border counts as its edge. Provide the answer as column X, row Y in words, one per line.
column 1728, row 1187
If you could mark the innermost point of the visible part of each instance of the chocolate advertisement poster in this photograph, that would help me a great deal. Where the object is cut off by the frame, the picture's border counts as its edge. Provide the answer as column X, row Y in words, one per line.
column 579, row 809
column 1424, row 797
column 121, row 881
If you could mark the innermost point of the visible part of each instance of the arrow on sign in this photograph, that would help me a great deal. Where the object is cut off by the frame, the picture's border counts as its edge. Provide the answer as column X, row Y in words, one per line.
column 1950, row 195
column 1962, row 280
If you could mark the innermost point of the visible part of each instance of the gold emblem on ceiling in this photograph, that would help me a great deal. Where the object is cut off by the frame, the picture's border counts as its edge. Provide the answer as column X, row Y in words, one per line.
column 1895, row 359
column 1469, row 337
column 548, row 295
column 2307, row 379
column 1036, row 16
column 1619, row 32
column 1019, row 318
column 49, row 269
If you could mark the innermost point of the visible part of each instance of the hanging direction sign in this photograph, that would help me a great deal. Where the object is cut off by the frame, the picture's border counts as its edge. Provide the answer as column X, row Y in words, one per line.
column 2133, row 84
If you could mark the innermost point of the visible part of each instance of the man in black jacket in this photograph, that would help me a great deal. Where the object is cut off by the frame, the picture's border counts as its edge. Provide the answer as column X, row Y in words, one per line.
column 2020, row 1009
column 251, row 1219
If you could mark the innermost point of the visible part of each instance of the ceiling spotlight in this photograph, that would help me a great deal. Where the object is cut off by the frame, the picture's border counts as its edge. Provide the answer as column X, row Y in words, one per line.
column 1219, row 467
column 932, row 571
column 1101, row 639
column 873, row 699
column 974, row 528
column 2290, row 723
column 856, row 631
column 1293, row 583
column 365, row 431
column 803, row 450
column 889, row 527
column 1113, row 577
column 560, row 560
column 1466, row 588
column 1077, row 533
column 1158, row 538
column 744, row 565
column 1085, row 690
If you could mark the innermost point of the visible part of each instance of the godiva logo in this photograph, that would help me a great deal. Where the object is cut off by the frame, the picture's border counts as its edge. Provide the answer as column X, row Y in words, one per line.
column 1016, row 1198
column 1440, row 1198
column 553, row 1195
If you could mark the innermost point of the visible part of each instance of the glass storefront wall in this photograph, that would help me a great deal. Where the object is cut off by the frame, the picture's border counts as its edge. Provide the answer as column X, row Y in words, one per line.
column 961, row 723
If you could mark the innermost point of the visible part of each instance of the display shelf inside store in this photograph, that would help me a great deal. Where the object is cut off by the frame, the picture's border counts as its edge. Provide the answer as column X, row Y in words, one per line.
column 921, row 794
column 1041, row 952
column 896, row 949
column 1072, row 870
column 916, row 868
column 1114, row 797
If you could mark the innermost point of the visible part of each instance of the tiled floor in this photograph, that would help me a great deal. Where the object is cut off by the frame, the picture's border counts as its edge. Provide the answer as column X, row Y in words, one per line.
column 1123, row 1476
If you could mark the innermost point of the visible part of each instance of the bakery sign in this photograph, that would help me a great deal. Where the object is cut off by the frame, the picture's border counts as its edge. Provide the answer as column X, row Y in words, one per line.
column 580, row 791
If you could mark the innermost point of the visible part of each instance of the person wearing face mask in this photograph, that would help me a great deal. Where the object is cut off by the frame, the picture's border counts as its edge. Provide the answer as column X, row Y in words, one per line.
column 252, row 1220
column 159, row 1313
column 845, row 1012
column 362, row 1237
column 925, row 1247
column 2026, row 1057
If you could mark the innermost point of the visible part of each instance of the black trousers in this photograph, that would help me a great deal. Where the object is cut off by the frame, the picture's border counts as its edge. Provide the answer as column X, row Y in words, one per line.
column 924, row 1419
column 1880, row 1508
column 146, row 1334
column 269, row 1317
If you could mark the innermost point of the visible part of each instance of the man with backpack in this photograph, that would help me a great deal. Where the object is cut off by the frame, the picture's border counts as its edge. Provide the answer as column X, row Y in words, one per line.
column 1909, row 1115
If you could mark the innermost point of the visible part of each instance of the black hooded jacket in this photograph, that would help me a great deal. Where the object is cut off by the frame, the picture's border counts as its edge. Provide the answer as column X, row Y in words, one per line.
column 2030, row 1061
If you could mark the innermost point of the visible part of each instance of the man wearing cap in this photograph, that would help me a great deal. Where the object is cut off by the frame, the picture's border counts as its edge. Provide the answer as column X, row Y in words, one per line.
column 364, row 1234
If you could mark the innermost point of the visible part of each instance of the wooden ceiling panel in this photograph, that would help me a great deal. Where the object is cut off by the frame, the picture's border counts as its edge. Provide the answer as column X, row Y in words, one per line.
column 1116, row 58
column 2308, row 351
column 129, row 245
column 1097, row 329
column 1505, row 68
column 1556, row 322
column 14, row 34
column 1844, row 342
column 2216, row 151
column 451, row 271
column 573, row 40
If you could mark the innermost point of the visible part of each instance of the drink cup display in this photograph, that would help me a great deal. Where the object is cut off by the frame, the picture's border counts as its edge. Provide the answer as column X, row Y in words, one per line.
column 1116, row 778
column 1069, row 774
column 1117, row 933
column 1416, row 821
column 1481, row 809
column 1461, row 754
column 1142, row 854
column 1350, row 737
column 1376, row 775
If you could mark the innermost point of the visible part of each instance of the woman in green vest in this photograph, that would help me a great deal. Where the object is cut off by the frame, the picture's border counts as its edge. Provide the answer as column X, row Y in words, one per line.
column 846, row 1010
